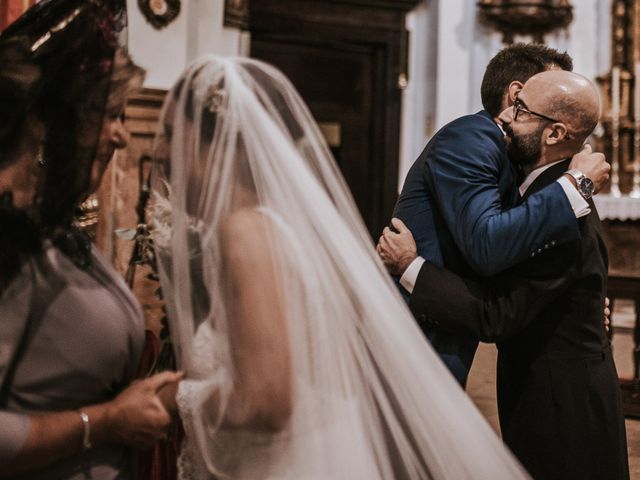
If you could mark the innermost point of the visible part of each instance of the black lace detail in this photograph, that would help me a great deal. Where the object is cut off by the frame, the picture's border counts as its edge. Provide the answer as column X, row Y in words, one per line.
column 74, row 243
column 20, row 239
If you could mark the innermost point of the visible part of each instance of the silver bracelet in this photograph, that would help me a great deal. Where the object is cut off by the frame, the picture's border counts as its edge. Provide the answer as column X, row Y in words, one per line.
column 86, row 441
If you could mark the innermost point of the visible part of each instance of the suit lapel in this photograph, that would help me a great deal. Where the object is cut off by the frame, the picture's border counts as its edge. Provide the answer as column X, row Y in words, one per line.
column 515, row 193
column 547, row 177
column 507, row 183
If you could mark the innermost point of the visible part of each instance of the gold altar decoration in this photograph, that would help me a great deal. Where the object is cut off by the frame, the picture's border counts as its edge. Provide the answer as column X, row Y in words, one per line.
column 525, row 17
column 619, row 136
column 619, row 139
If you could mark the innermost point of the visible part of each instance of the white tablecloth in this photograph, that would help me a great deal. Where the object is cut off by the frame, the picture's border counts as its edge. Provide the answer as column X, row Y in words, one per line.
column 617, row 208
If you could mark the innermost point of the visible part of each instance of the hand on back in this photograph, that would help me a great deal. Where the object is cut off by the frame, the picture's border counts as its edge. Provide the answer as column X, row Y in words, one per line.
column 397, row 249
column 137, row 417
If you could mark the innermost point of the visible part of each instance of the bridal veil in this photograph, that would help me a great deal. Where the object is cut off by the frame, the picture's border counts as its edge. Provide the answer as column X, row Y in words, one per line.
column 302, row 360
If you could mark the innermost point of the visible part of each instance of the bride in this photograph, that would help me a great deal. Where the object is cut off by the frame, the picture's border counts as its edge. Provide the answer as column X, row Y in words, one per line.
column 301, row 359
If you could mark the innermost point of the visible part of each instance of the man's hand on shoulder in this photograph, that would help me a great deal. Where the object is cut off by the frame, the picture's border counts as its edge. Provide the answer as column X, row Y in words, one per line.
column 594, row 166
column 397, row 249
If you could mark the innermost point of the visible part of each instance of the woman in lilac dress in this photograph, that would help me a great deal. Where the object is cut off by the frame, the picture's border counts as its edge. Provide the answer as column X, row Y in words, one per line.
column 71, row 333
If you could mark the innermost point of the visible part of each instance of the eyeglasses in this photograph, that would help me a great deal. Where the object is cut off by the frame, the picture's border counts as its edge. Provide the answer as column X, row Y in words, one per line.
column 518, row 106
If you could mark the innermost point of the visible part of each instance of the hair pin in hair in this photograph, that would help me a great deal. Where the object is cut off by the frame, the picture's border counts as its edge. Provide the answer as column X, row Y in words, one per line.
column 215, row 99
column 40, row 157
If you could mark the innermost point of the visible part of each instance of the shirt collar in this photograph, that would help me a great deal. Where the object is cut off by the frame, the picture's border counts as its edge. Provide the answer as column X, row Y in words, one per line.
column 524, row 186
column 498, row 124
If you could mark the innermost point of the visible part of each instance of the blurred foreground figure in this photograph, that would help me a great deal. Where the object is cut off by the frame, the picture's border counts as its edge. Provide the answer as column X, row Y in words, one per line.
column 71, row 333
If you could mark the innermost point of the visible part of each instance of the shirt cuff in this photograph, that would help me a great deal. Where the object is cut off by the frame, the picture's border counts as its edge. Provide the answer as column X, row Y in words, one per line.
column 578, row 203
column 410, row 275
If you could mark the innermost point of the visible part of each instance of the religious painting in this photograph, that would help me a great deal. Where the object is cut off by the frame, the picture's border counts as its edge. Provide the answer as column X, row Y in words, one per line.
column 10, row 10
column 236, row 14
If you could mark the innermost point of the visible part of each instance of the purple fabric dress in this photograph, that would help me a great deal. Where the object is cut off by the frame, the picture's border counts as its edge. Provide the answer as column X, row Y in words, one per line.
column 86, row 344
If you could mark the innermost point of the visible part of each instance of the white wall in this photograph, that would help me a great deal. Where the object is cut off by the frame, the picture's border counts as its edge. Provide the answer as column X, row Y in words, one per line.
column 418, row 99
column 198, row 30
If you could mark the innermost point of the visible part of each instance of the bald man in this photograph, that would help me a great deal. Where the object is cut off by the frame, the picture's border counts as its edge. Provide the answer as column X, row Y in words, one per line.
column 558, row 394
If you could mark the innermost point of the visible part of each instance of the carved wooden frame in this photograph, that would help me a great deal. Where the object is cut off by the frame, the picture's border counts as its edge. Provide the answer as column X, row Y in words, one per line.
column 236, row 14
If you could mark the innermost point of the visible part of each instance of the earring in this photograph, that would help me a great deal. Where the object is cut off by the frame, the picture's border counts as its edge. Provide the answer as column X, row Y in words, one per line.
column 40, row 158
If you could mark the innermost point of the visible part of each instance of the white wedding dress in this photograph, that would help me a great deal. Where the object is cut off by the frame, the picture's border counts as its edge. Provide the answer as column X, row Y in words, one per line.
column 368, row 397
column 269, row 456
column 265, row 456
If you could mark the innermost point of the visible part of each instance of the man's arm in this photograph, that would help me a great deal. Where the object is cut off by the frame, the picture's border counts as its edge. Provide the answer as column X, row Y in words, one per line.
column 492, row 312
column 463, row 173
column 443, row 299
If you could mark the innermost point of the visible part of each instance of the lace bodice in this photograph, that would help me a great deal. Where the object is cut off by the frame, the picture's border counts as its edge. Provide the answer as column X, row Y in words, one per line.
column 208, row 373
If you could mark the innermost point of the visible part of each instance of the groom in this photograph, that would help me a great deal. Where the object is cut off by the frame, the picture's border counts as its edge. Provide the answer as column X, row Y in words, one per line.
column 558, row 395
column 459, row 196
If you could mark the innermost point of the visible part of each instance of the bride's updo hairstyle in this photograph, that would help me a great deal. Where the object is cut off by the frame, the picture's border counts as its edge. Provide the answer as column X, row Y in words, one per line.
column 194, row 110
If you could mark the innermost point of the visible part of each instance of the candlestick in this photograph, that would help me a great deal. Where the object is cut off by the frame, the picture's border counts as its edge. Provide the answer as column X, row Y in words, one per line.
column 635, row 187
column 615, row 131
column 615, row 94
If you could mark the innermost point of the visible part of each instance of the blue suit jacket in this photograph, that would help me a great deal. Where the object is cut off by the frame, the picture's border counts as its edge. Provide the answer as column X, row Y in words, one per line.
column 457, row 200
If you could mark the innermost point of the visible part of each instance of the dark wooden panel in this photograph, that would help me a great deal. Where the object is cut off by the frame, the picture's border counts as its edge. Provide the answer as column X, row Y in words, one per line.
column 623, row 243
column 342, row 95
column 623, row 240
column 281, row 15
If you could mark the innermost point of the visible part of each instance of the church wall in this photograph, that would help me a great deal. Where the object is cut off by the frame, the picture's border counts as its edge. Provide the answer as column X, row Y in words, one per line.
column 198, row 30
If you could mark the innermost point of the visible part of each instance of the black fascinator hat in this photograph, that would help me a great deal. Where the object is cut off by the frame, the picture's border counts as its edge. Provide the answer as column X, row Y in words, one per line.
column 62, row 55
column 58, row 63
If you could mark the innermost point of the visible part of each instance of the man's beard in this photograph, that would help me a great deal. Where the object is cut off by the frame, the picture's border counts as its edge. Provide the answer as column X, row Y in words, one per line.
column 524, row 150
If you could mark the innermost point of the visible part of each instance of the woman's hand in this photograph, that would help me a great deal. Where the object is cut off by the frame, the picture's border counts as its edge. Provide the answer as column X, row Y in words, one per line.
column 137, row 417
column 167, row 395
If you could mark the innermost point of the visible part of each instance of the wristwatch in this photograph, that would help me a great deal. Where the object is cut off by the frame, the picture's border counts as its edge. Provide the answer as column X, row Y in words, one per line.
column 584, row 183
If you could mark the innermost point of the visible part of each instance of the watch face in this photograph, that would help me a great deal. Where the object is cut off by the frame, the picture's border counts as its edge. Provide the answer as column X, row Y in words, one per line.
column 586, row 187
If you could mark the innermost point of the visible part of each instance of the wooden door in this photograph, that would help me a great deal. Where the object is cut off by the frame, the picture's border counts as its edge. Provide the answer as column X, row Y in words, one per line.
column 338, row 85
column 347, row 59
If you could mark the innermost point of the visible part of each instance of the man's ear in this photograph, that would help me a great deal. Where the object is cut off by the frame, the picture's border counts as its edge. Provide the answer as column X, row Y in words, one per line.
column 513, row 90
column 557, row 133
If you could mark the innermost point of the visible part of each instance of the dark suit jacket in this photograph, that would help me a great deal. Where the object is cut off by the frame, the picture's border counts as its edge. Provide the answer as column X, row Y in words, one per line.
column 455, row 200
column 558, row 393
